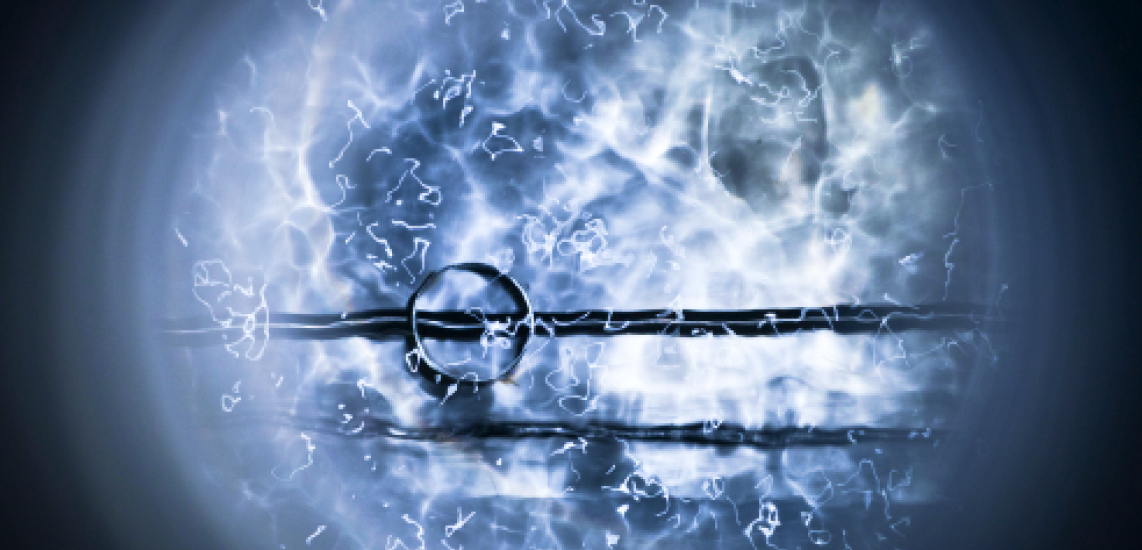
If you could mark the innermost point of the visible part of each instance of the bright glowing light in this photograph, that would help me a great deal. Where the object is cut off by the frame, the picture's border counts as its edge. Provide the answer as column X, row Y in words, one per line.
column 622, row 155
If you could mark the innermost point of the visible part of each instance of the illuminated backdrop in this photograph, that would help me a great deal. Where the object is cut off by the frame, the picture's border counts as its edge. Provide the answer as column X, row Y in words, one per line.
column 607, row 155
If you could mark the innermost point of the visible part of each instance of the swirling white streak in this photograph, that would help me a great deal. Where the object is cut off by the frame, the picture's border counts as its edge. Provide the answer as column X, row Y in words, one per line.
column 628, row 202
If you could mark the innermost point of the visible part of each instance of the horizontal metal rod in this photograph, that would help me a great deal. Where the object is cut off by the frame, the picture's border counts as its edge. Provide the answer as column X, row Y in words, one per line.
column 471, row 325
column 725, row 434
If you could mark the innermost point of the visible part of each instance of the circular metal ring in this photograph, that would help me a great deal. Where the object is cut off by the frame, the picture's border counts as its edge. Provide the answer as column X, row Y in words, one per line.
column 490, row 274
